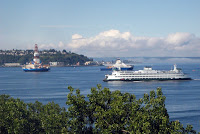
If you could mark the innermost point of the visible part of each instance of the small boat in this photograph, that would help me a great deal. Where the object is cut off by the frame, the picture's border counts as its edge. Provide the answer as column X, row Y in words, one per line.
column 36, row 65
column 118, row 65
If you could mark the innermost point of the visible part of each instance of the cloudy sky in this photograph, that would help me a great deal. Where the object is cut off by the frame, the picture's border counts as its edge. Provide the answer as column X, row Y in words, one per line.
column 111, row 28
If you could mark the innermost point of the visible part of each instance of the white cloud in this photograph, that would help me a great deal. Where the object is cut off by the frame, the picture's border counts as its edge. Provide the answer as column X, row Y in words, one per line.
column 76, row 36
column 48, row 46
column 61, row 44
column 179, row 38
column 111, row 33
column 118, row 44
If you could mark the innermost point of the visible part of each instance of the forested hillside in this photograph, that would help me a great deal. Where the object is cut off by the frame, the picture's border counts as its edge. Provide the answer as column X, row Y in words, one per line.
column 46, row 56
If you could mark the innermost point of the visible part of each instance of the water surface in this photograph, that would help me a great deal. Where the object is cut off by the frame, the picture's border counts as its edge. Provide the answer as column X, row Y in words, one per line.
column 182, row 97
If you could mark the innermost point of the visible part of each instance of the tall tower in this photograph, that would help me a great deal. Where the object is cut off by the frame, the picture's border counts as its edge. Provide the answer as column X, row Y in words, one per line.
column 36, row 55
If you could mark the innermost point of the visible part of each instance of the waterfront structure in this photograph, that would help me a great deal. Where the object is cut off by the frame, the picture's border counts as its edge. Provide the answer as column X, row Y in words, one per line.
column 55, row 64
column 12, row 64
column 146, row 74
column 36, row 65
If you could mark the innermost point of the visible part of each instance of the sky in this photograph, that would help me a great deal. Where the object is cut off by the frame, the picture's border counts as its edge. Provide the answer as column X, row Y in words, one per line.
column 103, row 28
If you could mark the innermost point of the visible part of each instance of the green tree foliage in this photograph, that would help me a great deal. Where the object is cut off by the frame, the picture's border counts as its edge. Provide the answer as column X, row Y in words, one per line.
column 17, row 117
column 68, row 59
column 116, row 112
column 14, row 116
column 102, row 111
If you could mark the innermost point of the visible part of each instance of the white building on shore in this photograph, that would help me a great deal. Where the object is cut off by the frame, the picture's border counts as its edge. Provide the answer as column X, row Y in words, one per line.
column 54, row 64
column 12, row 64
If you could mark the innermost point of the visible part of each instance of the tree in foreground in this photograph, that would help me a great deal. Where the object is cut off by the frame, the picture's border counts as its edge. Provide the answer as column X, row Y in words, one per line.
column 116, row 112
column 102, row 111
column 17, row 117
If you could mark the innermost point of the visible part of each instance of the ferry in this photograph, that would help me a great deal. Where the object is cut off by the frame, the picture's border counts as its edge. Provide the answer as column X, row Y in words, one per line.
column 36, row 65
column 118, row 64
column 146, row 74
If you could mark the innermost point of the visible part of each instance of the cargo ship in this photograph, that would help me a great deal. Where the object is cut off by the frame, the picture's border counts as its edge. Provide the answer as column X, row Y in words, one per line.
column 36, row 65
column 146, row 74
column 118, row 64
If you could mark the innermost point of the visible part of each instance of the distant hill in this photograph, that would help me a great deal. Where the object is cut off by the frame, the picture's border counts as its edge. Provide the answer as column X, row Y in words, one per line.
column 46, row 56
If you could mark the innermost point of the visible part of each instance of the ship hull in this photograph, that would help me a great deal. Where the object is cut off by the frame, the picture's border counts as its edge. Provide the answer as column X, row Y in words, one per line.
column 150, row 79
column 36, row 70
column 106, row 69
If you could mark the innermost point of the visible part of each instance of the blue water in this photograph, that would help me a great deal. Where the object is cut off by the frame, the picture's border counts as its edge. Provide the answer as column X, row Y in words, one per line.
column 182, row 97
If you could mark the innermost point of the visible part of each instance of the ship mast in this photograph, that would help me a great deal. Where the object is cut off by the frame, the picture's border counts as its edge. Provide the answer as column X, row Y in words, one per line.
column 36, row 55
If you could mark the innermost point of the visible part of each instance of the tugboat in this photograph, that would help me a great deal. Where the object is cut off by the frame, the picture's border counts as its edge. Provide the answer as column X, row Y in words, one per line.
column 147, row 74
column 36, row 65
column 118, row 64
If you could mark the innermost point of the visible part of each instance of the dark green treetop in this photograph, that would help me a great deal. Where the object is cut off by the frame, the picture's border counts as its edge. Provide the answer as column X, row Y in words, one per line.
column 117, row 112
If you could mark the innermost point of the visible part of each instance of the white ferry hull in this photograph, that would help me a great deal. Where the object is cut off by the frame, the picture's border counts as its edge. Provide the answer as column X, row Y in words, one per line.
column 149, row 79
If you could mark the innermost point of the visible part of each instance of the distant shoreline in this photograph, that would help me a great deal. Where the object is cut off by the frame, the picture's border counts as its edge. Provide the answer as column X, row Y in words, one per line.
column 56, row 66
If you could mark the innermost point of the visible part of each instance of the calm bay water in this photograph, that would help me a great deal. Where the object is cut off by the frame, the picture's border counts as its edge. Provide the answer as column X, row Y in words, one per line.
column 182, row 97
